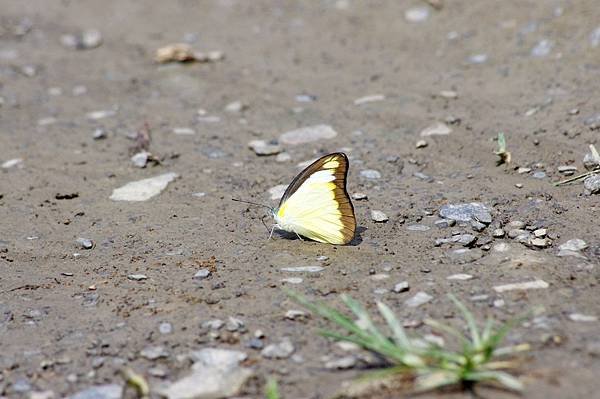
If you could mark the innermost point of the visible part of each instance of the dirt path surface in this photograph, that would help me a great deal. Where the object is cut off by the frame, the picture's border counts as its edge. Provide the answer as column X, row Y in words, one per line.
column 71, row 317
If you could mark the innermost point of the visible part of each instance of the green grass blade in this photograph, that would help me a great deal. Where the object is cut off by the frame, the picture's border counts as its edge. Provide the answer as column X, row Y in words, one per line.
column 501, row 377
column 468, row 316
column 272, row 389
column 394, row 324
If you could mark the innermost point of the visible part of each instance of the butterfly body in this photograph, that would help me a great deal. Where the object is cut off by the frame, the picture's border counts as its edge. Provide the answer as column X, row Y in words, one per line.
column 316, row 204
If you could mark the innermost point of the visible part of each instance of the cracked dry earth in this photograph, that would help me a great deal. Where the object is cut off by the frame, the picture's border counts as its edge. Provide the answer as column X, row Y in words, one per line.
column 73, row 313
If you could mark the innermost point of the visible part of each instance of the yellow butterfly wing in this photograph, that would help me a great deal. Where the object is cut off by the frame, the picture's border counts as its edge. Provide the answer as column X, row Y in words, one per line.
column 316, row 204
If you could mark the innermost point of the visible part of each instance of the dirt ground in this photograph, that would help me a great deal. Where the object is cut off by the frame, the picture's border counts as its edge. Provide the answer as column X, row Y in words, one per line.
column 71, row 318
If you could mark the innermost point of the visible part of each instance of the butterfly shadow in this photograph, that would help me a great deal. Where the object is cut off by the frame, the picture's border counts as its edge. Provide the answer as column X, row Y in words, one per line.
column 293, row 236
column 357, row 240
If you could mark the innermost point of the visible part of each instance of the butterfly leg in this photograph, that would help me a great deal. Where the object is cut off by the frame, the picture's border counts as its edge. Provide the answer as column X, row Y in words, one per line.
column 298, row 235
column 272, row 229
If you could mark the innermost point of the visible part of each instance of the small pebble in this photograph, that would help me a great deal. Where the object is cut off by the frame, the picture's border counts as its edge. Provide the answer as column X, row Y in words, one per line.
column 437, row 129
column 444, row 223
column 308, row 135
column 359, row 196
column 417, row 227
column 11, row 163
column 346, row 362
column 137, row 277
column 165, row 328
column 527, row 285
column 540, row 233
column 154, row 352
column 183, row 131
column 478, row 59
column 575, row 244
column 369, row 99
column 281, row 350
column 294, row 314
column 401, row 287
column 592, row 184
column 214, row 324
column 417, row 14
column 140, row 159
column 460, row 276
column 419, row 299
column 99, row 134
column 236, row 107
column 263, row 148
column 421, row 144
column 582, row 317
column 370, row 174
column 523, row 170
column 85, row 243
column 498, row 233
column 542, row 48
column 292, row 280
column 378, row 216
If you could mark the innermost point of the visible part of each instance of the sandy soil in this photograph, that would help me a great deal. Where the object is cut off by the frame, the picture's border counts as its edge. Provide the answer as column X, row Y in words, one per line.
column 58, row 334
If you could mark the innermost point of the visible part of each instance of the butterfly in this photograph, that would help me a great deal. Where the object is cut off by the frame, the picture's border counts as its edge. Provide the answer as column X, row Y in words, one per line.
column 316, row 204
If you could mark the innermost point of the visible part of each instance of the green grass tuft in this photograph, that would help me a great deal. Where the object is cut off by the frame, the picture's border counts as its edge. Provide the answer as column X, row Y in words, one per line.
column 478, row 359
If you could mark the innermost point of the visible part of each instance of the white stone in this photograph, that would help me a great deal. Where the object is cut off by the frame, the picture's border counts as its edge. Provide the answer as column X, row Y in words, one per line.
column 292, row 280
column 419, row 299
column 303, row 269
column 369, row 99
column 460, row 276
column 142, row 190
column 184, row 131
column 308, row 135
column 417, row 14
column 575, row 244
column 582, row 317
column 12, row 163
column 436, row 129
column 378, row 216
column 526, row 285
column 370, row 174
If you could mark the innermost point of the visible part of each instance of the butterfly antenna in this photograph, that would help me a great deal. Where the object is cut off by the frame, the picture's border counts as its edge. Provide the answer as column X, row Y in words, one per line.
column 252, row 203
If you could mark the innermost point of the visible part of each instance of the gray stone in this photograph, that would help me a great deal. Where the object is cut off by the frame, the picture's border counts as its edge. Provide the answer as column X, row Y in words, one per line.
column 417, row 14
column 308, row 135
column 142, row 190
column 214, row 324
column 283, row 157
column 417, row 227
column 236, row 107
column 370, row 174
column 466, row 240
column 255, row 343
column 514, row 233
column 477, row 59
column 216, row 357
column 540, row 242
column 369, row 99
column 277, row 192
column 542, row 48
column 303, row 269
column 498, row 233
column 437, row 129
column 90, row 38
column 477, row 226
column 295, row 314
column 140, row 159
column 201, row 274
column 516, row 224
column 99, row 134
column 582, row 317
column 575, row 244
column 527, row 285
column 444, row 223
column 263, row 148
column 401, row 287
column 154, row 352
column 567, row 169
column 281, row 350
column 539, row 174
column 11, row 163
column 234, row 324
column 184, row 131
column 378, row 216
column 590, row 163
column 85, row 243
column 108, row 391
column 467, row 212
column 540, row 233
column 460, row 277
column 165, row 328
column 215, row 375
column 419, row 299
column 592, row 184
column 465, row 255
